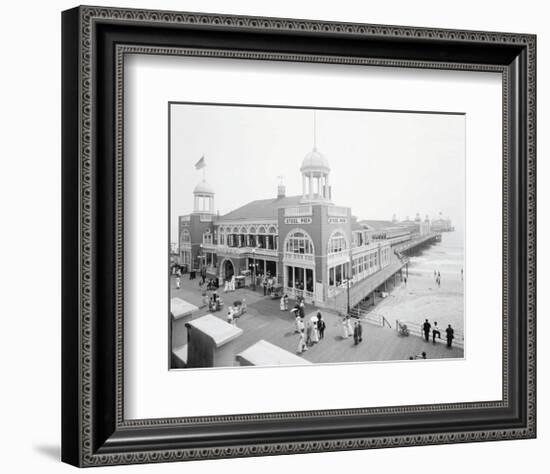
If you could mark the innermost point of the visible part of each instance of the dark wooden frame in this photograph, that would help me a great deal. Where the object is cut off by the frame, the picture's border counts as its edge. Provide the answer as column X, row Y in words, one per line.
column 95, row 40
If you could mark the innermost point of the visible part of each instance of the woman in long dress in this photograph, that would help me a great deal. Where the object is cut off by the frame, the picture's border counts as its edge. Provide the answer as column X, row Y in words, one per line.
column 314, row 332
column 309, row 332
column 302, row 347
column 282, row 303
column 350, row 326
column 345, row 332
column 298, row 325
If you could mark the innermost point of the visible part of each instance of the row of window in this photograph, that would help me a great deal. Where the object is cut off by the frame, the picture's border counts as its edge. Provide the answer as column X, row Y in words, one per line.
column 296, row 242
column 337, row 274
column 244, row 240
column 250, row 230
column 366, row 263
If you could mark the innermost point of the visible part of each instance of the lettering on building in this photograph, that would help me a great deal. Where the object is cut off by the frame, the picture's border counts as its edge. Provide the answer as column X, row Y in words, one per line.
column 298, row 220
column 337, row 220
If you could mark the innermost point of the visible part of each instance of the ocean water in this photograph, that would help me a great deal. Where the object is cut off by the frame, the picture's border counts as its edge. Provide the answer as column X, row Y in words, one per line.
column 445, row 257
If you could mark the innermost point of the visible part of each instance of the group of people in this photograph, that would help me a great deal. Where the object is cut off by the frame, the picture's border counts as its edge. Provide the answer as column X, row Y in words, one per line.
column 422, row 355
column 350, row 329
column 212, row 300
column 235, row 311
column 437, row 277
column 310, row 331
column 229, row 285
column 434, row 330
column 283, row 303
column 211, row 284
column 266, row 281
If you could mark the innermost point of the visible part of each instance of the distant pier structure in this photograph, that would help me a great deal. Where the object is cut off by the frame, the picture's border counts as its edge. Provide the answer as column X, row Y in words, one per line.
column 442, row 224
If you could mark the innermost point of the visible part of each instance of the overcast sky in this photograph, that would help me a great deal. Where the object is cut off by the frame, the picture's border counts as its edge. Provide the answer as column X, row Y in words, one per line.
column 381, row 162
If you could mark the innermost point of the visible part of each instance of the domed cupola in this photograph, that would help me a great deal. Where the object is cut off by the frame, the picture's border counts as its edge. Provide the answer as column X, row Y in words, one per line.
column 315, row 162
column 315, row 171
column 204, row 198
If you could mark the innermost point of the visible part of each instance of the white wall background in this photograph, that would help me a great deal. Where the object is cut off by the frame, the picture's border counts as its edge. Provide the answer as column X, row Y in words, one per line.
column 30, row 355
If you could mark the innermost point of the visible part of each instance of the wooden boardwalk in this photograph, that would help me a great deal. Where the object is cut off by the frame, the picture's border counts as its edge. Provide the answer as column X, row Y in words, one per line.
column 264, row 320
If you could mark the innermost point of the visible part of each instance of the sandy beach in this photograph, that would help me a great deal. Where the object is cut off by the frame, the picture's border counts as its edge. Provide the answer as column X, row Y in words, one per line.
column 421, row 297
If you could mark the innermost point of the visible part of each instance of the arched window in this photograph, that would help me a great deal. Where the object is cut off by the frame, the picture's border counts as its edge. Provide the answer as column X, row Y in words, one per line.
column 272, row 238
column 299, row 242
column 337, row 242
column 252, row 230
column 185, row 237
column 261, row 230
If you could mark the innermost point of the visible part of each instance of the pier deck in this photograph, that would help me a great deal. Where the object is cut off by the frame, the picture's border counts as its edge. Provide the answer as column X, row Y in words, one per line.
column 265, row 321
column 417, row 242
column 360, row 290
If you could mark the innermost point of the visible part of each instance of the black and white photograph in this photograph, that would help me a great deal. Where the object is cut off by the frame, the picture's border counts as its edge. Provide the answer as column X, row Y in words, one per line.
column 315, row 235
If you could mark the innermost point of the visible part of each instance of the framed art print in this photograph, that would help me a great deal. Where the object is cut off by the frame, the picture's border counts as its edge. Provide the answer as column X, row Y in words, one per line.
column 286, row 236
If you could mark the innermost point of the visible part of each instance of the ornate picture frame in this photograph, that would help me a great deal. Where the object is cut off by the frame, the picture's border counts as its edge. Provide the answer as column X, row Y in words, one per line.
column 95, row 42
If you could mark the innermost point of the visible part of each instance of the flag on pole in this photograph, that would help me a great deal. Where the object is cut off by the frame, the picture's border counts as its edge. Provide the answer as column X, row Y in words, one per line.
column 200, row 164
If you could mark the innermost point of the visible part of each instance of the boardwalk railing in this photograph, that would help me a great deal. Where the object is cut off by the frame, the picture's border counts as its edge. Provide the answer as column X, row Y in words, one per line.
column 415, row 329
column 370, row 317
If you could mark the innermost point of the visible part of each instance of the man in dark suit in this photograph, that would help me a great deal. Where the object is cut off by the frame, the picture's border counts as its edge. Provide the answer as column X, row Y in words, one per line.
column 450, row 335
column 358, row 332
column 321, row 325
column 426, row 328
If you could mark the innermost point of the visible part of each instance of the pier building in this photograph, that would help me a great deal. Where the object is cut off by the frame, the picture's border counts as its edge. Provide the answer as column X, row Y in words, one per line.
column 306, row 242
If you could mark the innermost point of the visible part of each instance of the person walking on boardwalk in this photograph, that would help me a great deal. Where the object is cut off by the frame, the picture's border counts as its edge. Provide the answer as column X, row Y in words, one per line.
column 350, row 325
column 282, row 304
column 298, row 324
column 357, row 333
column 435, row 330
column 285, row 301
column 426, row 328
column 309, row 333
column 450, row 335
column 314, row 331
column 302, row 309
column 321, row 325
column 178, row 282
column 302, row 347
column 345, row 332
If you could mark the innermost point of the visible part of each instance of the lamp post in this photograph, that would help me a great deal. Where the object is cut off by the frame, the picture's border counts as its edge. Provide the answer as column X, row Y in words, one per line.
column 202, row 258
column 347, row 284
column 254, row 268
